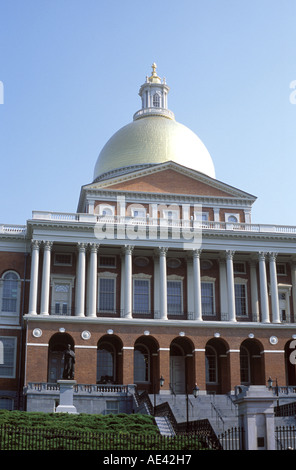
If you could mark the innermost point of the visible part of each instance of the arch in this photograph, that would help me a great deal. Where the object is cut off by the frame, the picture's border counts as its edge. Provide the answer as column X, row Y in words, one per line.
column 182, row 365
column 146, row 363
column 10, row 292
column 251, row 363
column 217, row 366
column 57, row 345
column 109, row 361
column 290, row 362
column 156, row 100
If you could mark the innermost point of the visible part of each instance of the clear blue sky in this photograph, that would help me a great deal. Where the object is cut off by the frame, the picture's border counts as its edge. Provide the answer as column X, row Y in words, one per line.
column 71, row 71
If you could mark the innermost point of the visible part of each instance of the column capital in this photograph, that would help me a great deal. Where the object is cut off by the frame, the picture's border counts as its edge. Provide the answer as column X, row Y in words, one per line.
column 81, row 247
column 162, row 250
column 262, row 255
column 272, row 256
column 230, row 254
column 196, row 253
column 128, row 249
column 47, row 245
column 35, row 244
column 93, row 247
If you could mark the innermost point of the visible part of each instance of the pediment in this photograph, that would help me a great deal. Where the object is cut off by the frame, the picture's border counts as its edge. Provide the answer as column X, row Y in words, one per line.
column 170, row 178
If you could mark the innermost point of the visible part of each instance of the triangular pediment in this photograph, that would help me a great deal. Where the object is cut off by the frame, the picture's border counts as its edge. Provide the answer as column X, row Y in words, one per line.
column 170, row 178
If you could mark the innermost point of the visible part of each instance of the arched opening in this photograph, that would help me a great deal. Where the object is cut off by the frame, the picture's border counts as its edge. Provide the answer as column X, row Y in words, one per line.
column 109, row 363
column 146, row 364
column 182, row 375
column 57, row 345
column 290, row 362
column 217, row 366
column 251, row 363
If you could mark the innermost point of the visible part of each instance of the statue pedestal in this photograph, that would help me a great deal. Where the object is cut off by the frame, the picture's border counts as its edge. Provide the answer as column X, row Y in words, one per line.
column 66, row 397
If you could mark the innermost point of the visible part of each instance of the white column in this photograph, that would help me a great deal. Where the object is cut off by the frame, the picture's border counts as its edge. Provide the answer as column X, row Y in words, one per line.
column 263, row 289
column 274, row 289
column 92, row 280
column 34, row 277
column 230, row 285
column 45, row 279
column 128, row 300
column 254, row 292
column 197, row 285
column 223, row 289
column 80, row 281
column 163, row 283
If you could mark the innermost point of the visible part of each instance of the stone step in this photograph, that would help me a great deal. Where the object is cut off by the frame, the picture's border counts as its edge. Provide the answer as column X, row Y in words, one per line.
column 163, row 426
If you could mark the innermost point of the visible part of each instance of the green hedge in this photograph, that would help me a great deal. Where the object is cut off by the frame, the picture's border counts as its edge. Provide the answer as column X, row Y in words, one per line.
column 123, row 423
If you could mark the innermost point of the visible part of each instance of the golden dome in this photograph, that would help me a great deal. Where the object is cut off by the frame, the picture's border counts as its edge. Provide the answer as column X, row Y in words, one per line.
column 153, row 137
column 152, row 140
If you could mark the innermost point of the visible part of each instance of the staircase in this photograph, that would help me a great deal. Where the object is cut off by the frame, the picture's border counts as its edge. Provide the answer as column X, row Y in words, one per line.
column 164, row 426
column 218, row 409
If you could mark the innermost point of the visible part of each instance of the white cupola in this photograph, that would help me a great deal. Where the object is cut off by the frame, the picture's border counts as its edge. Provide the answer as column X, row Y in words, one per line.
column 154, row 95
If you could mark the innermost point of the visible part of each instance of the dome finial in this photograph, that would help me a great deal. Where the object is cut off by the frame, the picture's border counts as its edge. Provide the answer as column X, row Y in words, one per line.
column 154, row 77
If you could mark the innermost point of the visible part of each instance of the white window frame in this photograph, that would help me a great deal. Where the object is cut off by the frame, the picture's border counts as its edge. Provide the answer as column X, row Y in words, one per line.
column 175, row 278
column 242, row 281
column 106, row 275
column 56, row 279
column 105, row 207
column 13, row 375
column 104, row 265
column 285, row 289
column 142, row 277
column 57, row 263
column 208, row 381
column 10, row 316
column 210, row 280
column 148, row 365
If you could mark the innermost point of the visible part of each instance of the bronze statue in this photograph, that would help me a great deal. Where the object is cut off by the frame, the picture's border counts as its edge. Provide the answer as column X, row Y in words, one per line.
column 69, row 361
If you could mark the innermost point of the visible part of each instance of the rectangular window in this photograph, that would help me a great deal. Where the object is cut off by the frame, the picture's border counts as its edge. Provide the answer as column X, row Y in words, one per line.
column 174, row 297
column 141, row 293
column 112, row 407
column 240, row 299
column 7, row 357
column 107, row 294
column 63, row 259
column 239, row 267
column 207, row 298
column 107, row 262
column 61, row 299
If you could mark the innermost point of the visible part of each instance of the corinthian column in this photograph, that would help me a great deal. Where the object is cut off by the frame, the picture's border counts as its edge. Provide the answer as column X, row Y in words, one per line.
column 45, row 279
column 128, row 301
column 274, row 289
column 80, row 282
column 263, row 289
column 92, row 280
column 163, row 283
column 197, row 285
column 34, row 277
column 230, row 285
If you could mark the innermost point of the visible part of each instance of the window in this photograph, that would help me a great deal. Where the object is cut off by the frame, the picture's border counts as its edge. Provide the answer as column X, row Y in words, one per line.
column 174, row 297
column 107, row 262
column 240, row 299
column 207, row 298
column 281, row 269
column 156, row 100
column 211, row 365
column 105, row 363
column 112, row 407
column 141, row 364
column 239, row 267
column 7, row 357
column 141, row 213
column 232, row 218
column 61, row 297
column 141, row 296
column 107, row 294
column 63, row 259
column 10, row 293
column 244, row 366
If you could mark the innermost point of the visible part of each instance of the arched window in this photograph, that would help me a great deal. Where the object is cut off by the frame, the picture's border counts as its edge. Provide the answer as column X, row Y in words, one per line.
column 211, row 365
column 156, row 100
column 10, row 293
column 232, row 218
column 141, row 363
column 245, row 366
column 105, row 363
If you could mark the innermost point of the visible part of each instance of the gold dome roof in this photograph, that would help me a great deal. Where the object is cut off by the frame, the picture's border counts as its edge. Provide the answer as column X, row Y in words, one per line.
column 153, row 137
column 152, row 140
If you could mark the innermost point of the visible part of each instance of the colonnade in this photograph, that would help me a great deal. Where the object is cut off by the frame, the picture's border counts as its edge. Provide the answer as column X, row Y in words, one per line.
column 86, row 283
